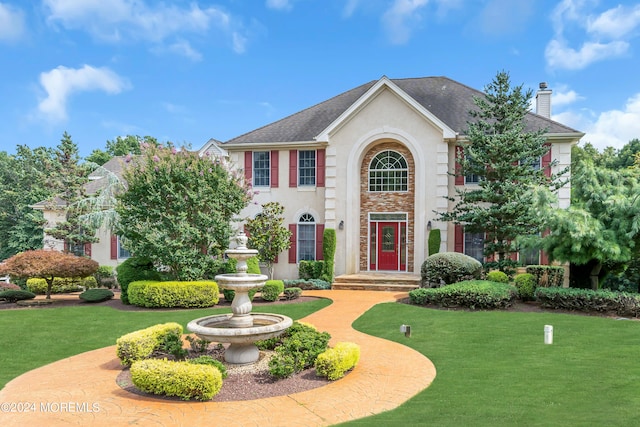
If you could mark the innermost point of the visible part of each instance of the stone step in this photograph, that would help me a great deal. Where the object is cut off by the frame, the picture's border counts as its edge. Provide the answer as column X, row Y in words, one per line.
column 377, row 282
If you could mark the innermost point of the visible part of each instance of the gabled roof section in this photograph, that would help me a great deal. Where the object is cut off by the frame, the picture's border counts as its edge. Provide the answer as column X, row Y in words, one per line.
column 440, row 99
column 213, row 146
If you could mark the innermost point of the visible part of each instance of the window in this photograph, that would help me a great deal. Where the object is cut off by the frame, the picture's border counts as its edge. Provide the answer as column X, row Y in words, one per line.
column 471, row 178
column 306, row 167
column 388, row 171
column 306, row 238
column 474, row 245
column 535, row 163
column 261, row 168
column 122, row 252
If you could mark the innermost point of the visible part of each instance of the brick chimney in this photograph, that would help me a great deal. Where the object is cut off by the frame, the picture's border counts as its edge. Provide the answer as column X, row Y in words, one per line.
column 543, row 101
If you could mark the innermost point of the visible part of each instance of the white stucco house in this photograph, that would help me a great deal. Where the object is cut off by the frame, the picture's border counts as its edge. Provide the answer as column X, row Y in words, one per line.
column 374, row 163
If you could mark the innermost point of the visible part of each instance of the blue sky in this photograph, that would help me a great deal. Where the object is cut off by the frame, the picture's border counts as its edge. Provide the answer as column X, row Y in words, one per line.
column 187, row 71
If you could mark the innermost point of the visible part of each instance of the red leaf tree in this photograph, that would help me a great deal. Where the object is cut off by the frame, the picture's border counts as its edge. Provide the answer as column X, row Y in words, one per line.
column 48, row 265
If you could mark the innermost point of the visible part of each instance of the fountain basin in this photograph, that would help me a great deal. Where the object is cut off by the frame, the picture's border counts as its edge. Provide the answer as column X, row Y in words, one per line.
column 242, row 350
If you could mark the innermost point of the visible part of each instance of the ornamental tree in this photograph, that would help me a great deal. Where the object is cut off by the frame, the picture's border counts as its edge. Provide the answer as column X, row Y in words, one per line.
column 177, row 208
column 47, row 265
column 501, row 152
column 267, row 234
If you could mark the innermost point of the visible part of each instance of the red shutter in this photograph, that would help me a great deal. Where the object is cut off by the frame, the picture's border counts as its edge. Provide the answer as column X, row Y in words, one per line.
column 293, row 257
column 293, row 168
column 459, row 155
column 248, row 165
column 319, row 239
column 546, row 160
column 275, row 157
column 114, row 246
column 458, row 239
column 87, row 249
column 320, row 167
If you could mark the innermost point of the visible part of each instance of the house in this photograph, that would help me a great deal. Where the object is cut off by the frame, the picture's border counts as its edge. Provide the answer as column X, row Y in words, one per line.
column 374, row 163
column 108, row 250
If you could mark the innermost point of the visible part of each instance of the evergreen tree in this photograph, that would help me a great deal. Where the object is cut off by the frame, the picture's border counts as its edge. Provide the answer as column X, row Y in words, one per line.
column 506, row 157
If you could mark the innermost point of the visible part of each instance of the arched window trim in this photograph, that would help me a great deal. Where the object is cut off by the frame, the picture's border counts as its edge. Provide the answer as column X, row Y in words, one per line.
column 388, row 172
column 306, row 237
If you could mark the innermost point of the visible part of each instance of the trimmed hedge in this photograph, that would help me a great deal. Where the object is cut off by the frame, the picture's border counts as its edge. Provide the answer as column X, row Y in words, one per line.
column 140, row 344
column 134, row 269
column 449, row 267
column 96, row 295
column 62, row 285
column 588, row 300
column 474, row 294
column 153, row 294
column 328, row 253
column 333, row 363
column 526, row 285
column 310, row 269
column 182, row 379
column 271, row 290
column 13, row 295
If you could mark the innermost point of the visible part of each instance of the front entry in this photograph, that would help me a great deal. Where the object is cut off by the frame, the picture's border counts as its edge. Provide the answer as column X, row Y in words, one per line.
column 387, row 240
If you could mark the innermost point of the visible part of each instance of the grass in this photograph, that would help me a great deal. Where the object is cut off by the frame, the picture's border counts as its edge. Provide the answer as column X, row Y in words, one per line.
column 32, row 338
column 493, row 368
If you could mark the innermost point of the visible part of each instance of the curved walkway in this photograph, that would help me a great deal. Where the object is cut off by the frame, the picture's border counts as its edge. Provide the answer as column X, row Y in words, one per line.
column 81, row 390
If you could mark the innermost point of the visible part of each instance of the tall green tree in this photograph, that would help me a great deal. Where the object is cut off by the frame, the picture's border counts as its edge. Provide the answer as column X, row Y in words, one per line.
column 602, row 225
column 268, row 235
column 177, row 209
column 24, row 181
column 501, row 152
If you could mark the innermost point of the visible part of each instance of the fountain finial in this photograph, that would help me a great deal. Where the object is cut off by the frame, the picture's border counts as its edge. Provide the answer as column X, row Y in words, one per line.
column 241, row 240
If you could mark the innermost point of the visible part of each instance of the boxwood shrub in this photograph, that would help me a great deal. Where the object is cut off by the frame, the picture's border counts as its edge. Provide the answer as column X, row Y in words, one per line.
column 154, row 294
column 271, row 290
column 547, row 275
column 13, row 295
column 140, row 344
column 526, row 285
column 449, row 267
column 335, row 362
column 474, row 294
column 497, row 276
column 292, row 293
column 603, row 301
column 182, row 379
column 96, row 295
column 295, row 350
column 132, row 270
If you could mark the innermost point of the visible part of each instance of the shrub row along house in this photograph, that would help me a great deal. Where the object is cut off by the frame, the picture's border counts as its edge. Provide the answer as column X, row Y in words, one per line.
column 374, row 163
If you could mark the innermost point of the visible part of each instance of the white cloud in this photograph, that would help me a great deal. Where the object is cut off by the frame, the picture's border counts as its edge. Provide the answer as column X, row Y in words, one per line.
column 135, row 20
column 602, row 36
column 12, row 25
column 399, row 20
column 613, row 128
column 565, row 96
column 349, row 8
column 61, row 82
column 183, row 48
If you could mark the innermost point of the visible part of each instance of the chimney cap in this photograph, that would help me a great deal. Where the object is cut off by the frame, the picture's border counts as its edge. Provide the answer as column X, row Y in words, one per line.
column 543, row 85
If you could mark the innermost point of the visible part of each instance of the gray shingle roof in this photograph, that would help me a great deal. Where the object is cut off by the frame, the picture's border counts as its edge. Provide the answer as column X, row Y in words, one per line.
column 447, row 99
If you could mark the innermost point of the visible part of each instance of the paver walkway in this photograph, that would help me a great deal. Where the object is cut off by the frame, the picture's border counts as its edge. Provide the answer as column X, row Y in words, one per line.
column 81, row 390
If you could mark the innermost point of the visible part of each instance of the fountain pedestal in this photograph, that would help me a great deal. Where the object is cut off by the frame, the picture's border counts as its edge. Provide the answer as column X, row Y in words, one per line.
column 242, row 328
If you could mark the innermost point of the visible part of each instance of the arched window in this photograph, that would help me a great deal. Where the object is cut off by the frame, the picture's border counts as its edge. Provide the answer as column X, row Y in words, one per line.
column 388, row 171
column 306, row 237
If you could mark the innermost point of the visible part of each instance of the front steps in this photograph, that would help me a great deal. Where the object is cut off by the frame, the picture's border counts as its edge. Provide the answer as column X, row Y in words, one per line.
column 395, row 282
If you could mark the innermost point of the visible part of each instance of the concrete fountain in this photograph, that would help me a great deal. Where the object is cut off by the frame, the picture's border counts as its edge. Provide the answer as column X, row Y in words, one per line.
column 241, row 329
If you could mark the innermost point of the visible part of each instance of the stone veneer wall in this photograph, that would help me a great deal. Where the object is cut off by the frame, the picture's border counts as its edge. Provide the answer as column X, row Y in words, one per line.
column 386, row 202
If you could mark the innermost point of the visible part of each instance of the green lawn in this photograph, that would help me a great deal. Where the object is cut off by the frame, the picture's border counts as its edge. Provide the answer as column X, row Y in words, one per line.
column 31, row 338
column 493, row 368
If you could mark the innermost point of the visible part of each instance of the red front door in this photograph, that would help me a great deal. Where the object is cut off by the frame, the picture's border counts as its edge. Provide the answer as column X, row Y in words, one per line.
column 388, row 247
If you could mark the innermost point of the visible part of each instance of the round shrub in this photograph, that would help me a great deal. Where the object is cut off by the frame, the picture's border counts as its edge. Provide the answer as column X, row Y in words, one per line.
column 173, row 294
column 96, row 295
column 497, row 276
column 526, row 285
column 182, row 379
column 13, row 295
column 272, row 289
column 292, row 293
column 449, row 267
column 134, row 269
